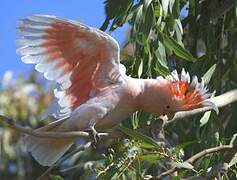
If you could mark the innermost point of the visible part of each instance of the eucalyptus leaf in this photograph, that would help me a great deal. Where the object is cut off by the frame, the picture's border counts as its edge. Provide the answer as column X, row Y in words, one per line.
column 55, row 177
column 139, row 15
column 165, row 6
column 184, row 165
column 145, row 141
column 205, row 118
column 147, row 4
column 183, row 145
column 148, row 21
column 207, row 76
column 176, row 9
column 139, row 73
column 161, row 56
column 179, row 51
column 233, row 139
column 152, row 158
column 233, row 161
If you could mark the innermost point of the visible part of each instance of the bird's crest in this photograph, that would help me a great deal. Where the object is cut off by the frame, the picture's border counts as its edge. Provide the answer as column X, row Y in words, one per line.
column 194, row 94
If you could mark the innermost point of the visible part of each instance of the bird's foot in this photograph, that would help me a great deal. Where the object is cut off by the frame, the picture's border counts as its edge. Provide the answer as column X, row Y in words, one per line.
column 94, row 136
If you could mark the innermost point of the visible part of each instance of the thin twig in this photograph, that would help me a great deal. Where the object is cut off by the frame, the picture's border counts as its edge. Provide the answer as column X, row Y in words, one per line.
column 214, row 173
column 61, row 160
column 198, row 156
column 221, row 101
column 209, row 151
column 45, row 134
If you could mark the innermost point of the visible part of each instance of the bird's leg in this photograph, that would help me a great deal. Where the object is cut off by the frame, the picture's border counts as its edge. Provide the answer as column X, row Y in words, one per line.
column 94, row 134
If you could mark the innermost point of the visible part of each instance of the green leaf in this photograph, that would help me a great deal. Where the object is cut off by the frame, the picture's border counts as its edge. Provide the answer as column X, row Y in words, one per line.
column 179, row 31
column 161, row 56
column 176, row 9
column 173, row 45
column 135, row 116
column 232, row 141
column 139, row 14
column 207, row 76
column 233, row 160
column 165, row 6
column 116, row 11
column 183, row 145
column 146, row 142
column 158, row 10
column 147, row 4
column 205, row 118
column 152, row 158
column 56, row 177
column 136, row 30
column 171, row 5
column 161, row 70
column 148, row 21
column 184, row 165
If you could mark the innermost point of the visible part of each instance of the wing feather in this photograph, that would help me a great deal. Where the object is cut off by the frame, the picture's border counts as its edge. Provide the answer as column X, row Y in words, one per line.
column 82, row 59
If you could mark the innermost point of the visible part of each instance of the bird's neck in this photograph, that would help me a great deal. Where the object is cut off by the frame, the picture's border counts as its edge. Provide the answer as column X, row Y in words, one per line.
column 151, row 94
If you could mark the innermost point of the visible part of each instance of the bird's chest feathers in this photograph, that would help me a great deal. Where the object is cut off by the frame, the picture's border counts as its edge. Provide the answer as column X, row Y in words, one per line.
column 121, row 111
column 115, row 116
column 104, row 111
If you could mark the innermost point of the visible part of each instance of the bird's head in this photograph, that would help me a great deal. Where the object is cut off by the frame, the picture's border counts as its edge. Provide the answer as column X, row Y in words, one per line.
column 180, row 93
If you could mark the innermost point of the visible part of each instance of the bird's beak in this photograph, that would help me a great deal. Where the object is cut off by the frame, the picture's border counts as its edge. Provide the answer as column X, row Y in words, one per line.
column 211, row 104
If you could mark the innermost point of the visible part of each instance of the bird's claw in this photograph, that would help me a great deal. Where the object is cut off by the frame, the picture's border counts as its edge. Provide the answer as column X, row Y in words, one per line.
column 94, row 135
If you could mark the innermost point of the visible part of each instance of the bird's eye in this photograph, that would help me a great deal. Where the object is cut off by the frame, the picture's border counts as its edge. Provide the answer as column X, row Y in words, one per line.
column 168, row 107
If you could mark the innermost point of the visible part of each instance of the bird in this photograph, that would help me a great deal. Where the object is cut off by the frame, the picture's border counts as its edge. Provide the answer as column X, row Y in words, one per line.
column 93, row 91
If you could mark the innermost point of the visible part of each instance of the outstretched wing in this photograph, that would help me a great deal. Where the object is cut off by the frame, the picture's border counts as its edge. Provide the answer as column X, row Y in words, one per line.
column 82, row 59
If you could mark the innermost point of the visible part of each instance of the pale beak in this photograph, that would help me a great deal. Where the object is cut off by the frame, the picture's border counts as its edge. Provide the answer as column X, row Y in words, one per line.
column 211, row 104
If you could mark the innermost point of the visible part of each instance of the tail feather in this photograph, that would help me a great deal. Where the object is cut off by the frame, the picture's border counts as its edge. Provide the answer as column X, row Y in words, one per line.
column 47, row 151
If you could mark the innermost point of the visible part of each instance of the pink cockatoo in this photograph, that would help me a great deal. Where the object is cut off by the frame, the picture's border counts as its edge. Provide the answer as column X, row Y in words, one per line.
column 94, row 91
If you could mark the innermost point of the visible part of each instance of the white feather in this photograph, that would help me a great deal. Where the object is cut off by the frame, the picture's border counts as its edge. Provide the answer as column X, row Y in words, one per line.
column 194, row 81
column 30, row 30
column 30, row 50
column 175, row 75
column 53, row 74
column 27, row 42
column 42, row 67
column 183, row 75
column 26, row 22
column 187, row 77
column 58, row 93
column 47, row 150
column 33, row 59
column 65, row 84
column 64, row 101
column 43, row 18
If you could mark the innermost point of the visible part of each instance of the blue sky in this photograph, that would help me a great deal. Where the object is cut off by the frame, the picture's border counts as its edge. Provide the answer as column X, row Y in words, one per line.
column 90, row 12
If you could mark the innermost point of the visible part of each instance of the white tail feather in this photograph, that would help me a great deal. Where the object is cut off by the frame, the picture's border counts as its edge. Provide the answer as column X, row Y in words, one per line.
column 47, row 151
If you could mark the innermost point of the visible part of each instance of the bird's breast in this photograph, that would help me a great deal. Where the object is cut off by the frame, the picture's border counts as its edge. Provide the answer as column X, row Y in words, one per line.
column 114, row 117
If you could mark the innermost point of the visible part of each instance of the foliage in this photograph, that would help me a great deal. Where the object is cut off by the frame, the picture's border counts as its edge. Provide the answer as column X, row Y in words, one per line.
column 24, row 101
column 197, row 35
column 164, row 35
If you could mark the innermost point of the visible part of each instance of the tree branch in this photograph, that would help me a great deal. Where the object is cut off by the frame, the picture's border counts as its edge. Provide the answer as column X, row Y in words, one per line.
column 198, row 156
column 11, row 123
column 221, row 101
